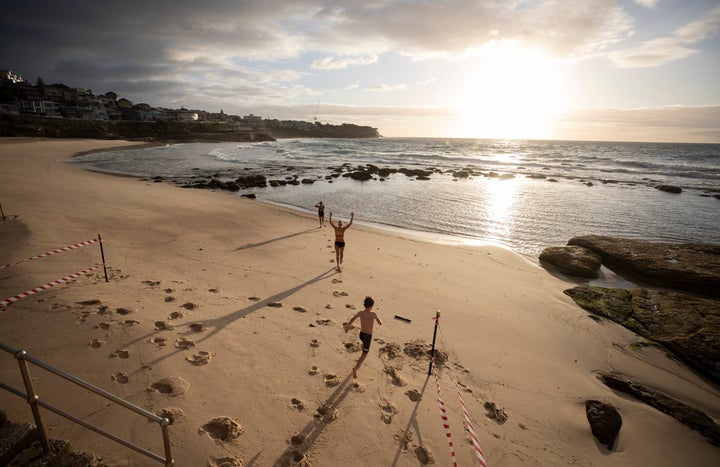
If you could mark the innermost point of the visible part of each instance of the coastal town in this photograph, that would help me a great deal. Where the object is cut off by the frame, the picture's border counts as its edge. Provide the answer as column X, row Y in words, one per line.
column 60, row 110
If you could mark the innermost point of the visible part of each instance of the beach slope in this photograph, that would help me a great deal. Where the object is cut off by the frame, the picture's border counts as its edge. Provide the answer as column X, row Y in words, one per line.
column 226, row 315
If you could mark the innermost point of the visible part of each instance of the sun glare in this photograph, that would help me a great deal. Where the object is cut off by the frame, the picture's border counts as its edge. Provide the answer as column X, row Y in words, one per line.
column 512, row 95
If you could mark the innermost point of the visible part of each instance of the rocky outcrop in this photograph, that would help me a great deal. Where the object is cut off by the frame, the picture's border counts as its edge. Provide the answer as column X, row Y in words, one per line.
column 605, row 422
column 686, row 325
column 690, row 416
column 669, row 188
column 572, row 260
column 689, row 267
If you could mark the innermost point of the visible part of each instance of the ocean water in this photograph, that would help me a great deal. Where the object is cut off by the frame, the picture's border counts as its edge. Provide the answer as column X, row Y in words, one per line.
column 526, row 195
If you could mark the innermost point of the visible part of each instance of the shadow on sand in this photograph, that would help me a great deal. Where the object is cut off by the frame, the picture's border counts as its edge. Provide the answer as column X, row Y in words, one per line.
column 278, row 239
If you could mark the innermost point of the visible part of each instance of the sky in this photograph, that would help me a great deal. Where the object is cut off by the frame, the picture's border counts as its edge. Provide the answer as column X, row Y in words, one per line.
column 632, row 70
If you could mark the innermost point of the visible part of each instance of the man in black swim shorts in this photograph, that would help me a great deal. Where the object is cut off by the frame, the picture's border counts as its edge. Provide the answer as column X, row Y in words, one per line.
column 321, row 213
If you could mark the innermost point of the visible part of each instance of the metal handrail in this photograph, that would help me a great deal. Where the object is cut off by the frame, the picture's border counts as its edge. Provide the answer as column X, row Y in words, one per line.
column 35, row 402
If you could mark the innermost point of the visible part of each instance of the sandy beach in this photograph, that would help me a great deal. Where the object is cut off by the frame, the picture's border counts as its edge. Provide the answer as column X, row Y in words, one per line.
column 240, row 302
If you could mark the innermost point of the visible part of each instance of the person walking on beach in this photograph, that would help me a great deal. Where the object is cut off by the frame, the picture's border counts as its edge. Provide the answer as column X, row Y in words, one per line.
column 367, row 320
column 321, row 213
column 340, row 239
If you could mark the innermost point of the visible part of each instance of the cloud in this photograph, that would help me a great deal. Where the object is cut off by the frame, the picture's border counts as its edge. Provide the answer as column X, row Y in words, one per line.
column 387, row 87
column 330, row 63
column 353, row 86
column 647, row 3
column 663, row 50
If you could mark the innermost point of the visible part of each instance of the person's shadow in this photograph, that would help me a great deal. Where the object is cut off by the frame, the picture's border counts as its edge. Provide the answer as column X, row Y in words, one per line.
column 284, row 237
column 301, row 442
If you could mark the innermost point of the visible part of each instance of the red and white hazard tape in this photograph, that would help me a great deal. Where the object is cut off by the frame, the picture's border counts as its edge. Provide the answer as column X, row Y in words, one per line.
column 466, row 414
column 443, row 415
column 59, row 250
column 47, row 286
column 476, row 444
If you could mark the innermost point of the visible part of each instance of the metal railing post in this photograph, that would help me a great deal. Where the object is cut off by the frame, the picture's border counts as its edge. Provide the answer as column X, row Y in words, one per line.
column 32, row 399
column 169, row 461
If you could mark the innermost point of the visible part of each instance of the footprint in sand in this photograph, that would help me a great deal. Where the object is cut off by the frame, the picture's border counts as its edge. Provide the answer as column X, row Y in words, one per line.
column 352, row 347
column 297, row 404
column 163, row 326
column 395, row 377
column 124, row 311
column 213, row 290
column 297, row 439
column 413, row 395
column 121, row 378
column 324, row 322
column 223, row 429
column 328, row 307
column 94, row 301
column 327, row 414
column 130, row 322
column 172, row 386
column 169, row 299
column 340, row 294
column 225, row 462
column 184, row 343
column 424, row 455
column 104, row 310
column 159, row 341
column 97, row 343
column 169, row 290
column 331, row 380
column 254, row 299
column 313, row 370
column 176, row 315
column 337, row 281
column 103, row 326
column 350, row 306
column 390, row 351
column 151, row 283
column 275, row 304
column 314, row 343
column 173, row 414
column 200, row 358
column 120, row 353
column 387, row 410
column 494, row 412
column 197, row 327
column 190, row 306
column 299, row 309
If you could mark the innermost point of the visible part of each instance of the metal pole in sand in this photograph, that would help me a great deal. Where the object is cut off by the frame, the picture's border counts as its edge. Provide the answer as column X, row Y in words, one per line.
column 102, row 255
column 432, row 349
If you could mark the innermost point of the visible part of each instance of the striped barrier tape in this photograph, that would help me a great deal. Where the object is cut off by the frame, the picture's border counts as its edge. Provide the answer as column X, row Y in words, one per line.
column 466, row 414
column 476, row 444
column 47, row 286
column 59, row 250
column 443, row 415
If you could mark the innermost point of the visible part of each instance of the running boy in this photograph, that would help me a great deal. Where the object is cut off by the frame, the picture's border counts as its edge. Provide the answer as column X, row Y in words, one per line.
column 367, row 320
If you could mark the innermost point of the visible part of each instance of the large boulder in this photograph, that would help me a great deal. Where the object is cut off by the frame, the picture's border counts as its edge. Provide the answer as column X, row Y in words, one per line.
column 688, row 326
column 682, row 412
column 690, row 267
column 572, row 260
column 605, row 422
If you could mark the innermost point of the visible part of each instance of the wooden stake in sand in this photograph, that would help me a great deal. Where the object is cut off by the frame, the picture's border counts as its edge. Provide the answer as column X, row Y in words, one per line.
column 432, row 349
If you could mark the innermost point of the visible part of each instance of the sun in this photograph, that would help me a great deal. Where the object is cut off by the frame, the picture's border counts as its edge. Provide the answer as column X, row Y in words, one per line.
column 512, row 94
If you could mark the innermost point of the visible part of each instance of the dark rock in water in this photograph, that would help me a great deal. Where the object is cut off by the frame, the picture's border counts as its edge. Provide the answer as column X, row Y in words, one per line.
column 690, row 416
column 686, row 325
column 689, row 267
column 415, row 172
column 249, row 196
column 307, row 181
column 605, row 422
column 461, row 174
column 360, row 175
column 572, row 260
column 669, row 188
column 423, row 177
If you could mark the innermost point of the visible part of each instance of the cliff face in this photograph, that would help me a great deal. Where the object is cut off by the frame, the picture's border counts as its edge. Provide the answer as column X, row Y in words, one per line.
column 26, row 126
column 138, row 131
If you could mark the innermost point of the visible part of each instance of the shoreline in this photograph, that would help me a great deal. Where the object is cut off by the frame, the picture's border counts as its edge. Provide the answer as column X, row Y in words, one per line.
column 182, row 257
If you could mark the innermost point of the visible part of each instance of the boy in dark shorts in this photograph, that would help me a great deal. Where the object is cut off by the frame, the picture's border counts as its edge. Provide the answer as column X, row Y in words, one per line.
column 367, row 320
